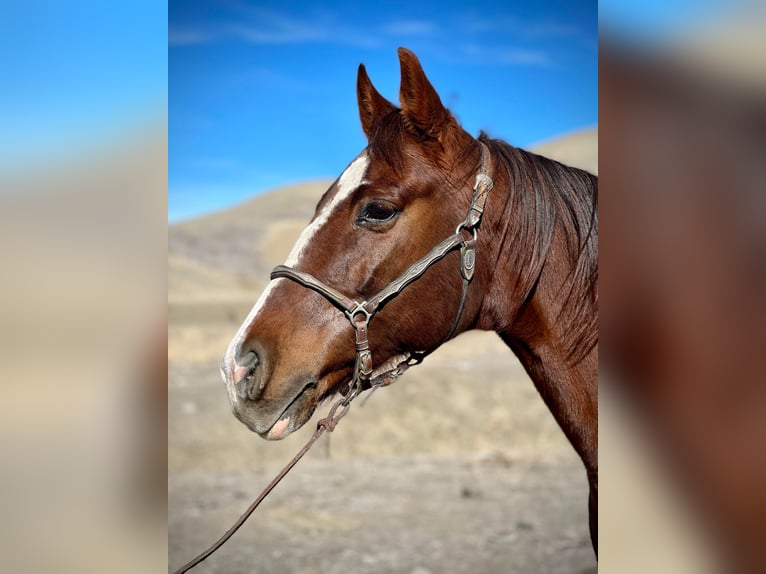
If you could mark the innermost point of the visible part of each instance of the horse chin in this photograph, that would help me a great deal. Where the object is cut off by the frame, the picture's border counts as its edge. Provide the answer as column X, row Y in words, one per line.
column 302, row 407
column 297, row 413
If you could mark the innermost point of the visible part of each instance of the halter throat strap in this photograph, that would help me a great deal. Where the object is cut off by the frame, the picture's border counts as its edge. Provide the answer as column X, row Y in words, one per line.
column 360, row 313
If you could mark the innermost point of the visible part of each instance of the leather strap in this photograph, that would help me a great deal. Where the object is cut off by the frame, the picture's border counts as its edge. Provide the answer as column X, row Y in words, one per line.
column 307, row 280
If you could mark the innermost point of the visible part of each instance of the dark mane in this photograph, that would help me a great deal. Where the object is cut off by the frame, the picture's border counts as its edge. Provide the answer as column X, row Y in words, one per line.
column 548, row 197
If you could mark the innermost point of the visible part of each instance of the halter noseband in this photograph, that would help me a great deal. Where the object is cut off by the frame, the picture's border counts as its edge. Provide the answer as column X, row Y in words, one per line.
column 359, row 313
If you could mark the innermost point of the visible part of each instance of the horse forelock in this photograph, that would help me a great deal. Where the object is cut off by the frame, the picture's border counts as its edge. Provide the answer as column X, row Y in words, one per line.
column 395, row 142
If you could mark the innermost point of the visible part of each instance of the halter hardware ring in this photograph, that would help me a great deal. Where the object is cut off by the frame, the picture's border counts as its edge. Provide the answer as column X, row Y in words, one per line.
column 464, row 226
column 360, row 309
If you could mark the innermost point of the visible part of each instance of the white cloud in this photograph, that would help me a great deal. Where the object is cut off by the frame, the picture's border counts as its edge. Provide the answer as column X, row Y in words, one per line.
column 515, row 27
column 264, row 26
column 267, row 27
column 293, row 34
column 521, row 57
column 502, row 55
column 550, row 30
column 260, row 25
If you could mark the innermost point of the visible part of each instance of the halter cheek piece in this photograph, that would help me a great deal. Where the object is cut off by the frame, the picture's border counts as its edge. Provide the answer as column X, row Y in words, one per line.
column 359, row 314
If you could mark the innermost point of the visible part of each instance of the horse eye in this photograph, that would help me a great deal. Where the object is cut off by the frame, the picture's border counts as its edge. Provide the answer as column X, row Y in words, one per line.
column 377, row 211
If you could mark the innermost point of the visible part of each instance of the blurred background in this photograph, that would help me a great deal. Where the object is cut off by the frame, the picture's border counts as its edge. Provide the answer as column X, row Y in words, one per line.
column 83, row 230
column 682, row 398
column 458, row 467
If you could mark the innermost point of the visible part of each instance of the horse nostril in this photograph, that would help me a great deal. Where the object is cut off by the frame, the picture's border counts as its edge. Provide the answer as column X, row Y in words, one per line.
column 249, row 360
column 244, row 373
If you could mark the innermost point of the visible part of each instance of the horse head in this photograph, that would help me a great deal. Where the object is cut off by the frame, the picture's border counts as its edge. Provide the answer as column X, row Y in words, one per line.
column 406, row 191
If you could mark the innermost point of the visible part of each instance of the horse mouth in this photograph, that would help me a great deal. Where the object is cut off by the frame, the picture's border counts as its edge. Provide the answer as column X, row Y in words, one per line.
column 294, row 415
column 301, row 408
column 303, row 405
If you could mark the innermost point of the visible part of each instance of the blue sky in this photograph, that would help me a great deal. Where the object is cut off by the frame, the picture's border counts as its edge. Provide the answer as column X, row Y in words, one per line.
column 263, row 94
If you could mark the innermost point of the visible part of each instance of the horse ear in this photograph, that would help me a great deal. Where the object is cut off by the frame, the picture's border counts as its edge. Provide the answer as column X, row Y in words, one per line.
column 422, row 109
column 372, row 106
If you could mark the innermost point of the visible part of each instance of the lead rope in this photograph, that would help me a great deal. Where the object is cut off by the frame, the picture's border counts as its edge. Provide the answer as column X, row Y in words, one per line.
column 326, row 424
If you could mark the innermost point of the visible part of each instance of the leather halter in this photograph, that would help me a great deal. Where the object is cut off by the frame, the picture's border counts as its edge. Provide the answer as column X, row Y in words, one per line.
column 359, row 313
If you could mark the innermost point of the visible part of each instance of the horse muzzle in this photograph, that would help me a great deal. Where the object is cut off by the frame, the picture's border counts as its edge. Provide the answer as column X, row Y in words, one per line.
column 245, row 372
column 271, row 410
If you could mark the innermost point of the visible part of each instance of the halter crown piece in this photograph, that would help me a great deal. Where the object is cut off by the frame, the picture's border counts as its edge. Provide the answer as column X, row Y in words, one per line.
column 359, row 313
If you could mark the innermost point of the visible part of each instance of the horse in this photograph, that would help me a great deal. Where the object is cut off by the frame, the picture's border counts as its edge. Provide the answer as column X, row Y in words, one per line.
column 435, row 232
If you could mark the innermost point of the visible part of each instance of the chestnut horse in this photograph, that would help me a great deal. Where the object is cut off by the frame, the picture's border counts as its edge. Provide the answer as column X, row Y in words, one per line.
column 532, row 267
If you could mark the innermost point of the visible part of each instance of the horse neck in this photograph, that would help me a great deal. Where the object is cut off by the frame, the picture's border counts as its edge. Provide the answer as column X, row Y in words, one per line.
column 541, row 297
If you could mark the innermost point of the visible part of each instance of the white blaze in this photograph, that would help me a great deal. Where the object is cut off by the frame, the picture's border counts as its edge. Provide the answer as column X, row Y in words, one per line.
column 348, row 182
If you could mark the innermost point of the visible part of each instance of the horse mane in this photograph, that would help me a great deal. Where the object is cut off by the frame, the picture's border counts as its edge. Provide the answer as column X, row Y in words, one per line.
column 546, row 196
